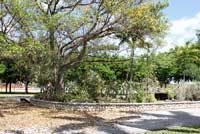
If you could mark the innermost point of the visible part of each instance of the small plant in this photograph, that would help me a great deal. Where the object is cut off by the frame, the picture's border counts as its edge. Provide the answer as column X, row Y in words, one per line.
column 171, row 94
column 80, row 96
column 38, row 96
column 140, row 95
column 149, row 97
column 75, row 93
column 93, row 84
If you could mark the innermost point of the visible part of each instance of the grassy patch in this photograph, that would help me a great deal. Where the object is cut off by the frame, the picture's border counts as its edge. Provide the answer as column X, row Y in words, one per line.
column 30, row 93
column 15, row 95
column 178, row 130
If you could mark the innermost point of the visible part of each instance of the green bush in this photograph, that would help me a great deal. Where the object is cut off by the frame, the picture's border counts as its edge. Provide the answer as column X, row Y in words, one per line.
column 76, row 93
column 38, row 96
column 59, row 97
column 113, row 89
column 171, row 94
column 149, row 97
column 187, row 91
column 139, row 96
column 55, row 96
column 93, row 84
column 81, row 96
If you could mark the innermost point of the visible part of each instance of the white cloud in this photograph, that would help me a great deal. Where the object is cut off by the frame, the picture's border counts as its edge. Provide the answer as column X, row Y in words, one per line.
column 181, row 31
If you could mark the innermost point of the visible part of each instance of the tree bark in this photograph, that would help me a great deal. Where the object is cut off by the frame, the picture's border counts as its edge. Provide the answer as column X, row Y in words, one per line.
column 130, row 79
column 165, row 85
column 26, row 87
column 6, row 87
column 59, row 82
column 10, row 85
column 148, row 66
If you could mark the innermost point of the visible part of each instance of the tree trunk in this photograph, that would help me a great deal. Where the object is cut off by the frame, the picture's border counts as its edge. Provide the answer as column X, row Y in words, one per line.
column 129, row 76
column 6, row 87
column 59, row 84
column 10, row 84
column 165, row 85
column 148, row 67
column 55, row 87
column 161, row 84
column 130, row 79
column 41, row 89
column 147, row 85
column 26, row 87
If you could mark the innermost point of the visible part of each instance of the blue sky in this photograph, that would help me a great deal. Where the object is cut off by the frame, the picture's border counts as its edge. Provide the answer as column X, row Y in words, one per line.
column 182, row 8
column 184, row 17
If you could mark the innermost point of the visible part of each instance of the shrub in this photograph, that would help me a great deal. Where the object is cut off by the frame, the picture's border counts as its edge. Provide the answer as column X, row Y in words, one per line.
column 171, row 94
column 93, row 84
column 112, row 88
column 149, row 97
column 38, row 96
column 80, row 96
column 187, row 91
column 139, row 96
column 142, row 96
column 75, row 93
column 59, row 97
column 55, row 96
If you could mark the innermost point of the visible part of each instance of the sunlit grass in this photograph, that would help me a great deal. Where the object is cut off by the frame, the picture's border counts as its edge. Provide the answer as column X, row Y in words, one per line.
column 3, row 95
column 178, row 130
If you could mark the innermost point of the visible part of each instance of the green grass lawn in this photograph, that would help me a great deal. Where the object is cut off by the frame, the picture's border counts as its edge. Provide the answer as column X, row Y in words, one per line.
column 3, row 95
column 179, row 130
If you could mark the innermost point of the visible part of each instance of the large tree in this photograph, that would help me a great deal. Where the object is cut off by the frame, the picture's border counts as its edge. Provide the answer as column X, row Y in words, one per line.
column 66, row 30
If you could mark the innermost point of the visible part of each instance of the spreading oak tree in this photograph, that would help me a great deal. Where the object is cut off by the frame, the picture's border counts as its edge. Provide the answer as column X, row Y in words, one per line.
column 56, row 35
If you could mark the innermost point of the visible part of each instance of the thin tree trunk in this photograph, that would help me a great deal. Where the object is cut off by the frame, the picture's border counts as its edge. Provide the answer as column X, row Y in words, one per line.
column 148, row 66
column 161, row 84
column 165, row 85
column 131, row 66
column 10, row 85
column 131, row 73
column 6, row 87
column 41, row 89
column 26, row 87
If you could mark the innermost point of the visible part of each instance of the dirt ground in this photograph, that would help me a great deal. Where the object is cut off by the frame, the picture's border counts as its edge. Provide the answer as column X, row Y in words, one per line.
column 22, row 118
column 19, row 118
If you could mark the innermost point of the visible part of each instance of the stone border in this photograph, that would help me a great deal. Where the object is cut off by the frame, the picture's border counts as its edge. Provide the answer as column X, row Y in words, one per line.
column 137, row 107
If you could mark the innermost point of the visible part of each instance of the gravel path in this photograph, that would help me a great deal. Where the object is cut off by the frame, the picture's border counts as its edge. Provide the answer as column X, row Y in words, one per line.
column 17, row 118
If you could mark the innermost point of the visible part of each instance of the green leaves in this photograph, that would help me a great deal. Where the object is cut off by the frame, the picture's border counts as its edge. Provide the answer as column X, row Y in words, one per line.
column 2, row 68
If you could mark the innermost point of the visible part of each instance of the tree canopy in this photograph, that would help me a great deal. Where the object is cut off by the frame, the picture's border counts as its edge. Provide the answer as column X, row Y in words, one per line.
column 52, row 36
